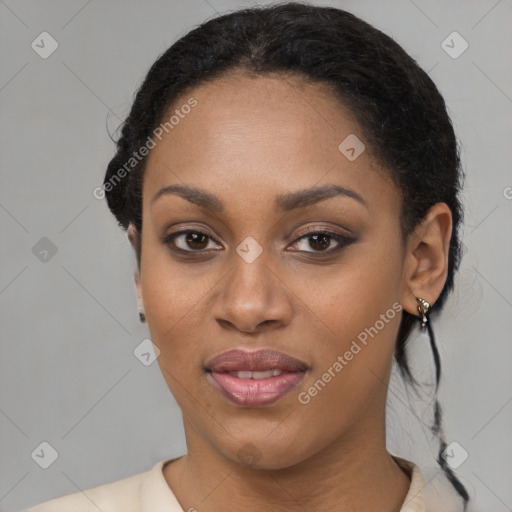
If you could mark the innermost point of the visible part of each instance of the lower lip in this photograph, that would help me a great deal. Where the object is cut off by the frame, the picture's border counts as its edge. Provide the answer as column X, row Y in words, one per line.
column 255, row 392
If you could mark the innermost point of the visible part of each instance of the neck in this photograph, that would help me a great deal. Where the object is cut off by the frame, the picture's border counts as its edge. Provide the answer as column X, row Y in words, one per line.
column 355, row 472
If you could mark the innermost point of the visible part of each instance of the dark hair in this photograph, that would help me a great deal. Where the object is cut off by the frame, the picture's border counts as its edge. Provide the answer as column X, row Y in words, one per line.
column 401, row 112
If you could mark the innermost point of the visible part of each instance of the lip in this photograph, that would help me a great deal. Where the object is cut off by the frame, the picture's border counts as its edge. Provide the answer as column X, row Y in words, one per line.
column 255, row 392
column 258, row 360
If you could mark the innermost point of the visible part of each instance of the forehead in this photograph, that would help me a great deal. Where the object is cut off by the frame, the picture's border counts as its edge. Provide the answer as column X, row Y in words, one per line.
column 249, row 137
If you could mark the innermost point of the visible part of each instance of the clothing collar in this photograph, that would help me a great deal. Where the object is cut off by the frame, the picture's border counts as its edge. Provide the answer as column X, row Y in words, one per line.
column 415, row 499
column 157, row 496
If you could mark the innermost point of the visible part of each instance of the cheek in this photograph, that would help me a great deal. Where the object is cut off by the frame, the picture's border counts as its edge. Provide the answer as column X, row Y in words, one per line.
column 174, row 297
column 350, row 297
column 360, row 316
column 175, row 306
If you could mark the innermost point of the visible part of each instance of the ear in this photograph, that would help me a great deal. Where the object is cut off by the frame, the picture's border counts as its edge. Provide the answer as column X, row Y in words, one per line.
column 134, row 238
column 426, row 258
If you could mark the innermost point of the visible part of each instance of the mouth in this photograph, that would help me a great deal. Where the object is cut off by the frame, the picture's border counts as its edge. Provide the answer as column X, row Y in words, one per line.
column 255, row 379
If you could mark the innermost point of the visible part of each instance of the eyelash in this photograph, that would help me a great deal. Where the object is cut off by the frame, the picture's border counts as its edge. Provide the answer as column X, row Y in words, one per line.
column 342, row 240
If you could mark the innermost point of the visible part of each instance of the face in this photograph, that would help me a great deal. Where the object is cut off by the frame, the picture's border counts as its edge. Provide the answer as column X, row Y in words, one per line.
column 268, row 236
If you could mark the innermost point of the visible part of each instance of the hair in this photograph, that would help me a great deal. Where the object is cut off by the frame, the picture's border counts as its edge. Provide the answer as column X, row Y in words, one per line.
column 401, row 113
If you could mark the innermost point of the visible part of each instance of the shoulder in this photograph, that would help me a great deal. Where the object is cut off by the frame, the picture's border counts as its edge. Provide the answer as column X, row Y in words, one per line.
column 126, row 495
column 415, row 499
column 430, row 490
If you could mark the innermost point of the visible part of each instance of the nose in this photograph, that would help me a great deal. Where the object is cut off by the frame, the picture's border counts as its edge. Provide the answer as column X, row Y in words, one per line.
column 254, row 298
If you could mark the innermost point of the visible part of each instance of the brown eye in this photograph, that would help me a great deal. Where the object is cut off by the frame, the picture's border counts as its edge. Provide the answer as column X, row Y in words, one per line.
column 189, row 241
column 196, row 240
column 320, row 242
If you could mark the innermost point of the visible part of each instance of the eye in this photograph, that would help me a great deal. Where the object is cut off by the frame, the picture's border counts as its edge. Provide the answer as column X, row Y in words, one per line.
column 320, row 241
column 196, row 241
column 188, row 241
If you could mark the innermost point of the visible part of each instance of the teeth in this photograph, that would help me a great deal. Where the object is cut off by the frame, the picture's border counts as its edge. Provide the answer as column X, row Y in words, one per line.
column 257, row 375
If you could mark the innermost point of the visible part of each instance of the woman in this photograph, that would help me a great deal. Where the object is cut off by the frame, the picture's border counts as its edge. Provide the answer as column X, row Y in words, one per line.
column 288, row 178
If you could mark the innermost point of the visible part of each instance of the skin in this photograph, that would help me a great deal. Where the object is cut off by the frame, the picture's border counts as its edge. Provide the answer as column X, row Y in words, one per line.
column 248, row 140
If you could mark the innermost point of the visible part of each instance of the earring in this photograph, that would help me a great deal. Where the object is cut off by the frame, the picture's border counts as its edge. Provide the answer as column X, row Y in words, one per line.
column 423, row 310
column 142, row 316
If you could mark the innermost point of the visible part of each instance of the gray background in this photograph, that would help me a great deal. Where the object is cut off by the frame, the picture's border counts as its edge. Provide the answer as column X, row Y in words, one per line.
column 68, row 375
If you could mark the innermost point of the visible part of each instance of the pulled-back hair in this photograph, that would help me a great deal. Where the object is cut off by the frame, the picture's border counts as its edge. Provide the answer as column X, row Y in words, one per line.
column 401, row 112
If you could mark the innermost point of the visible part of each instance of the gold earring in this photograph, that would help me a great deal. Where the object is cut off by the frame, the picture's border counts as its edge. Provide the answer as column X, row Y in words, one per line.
column 423, row 310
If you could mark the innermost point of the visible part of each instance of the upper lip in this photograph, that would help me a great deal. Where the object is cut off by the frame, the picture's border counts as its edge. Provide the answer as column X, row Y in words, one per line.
column 260, row 360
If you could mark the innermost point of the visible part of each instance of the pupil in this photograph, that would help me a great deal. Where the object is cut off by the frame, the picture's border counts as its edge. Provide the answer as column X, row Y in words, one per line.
column 192, row 240
column 321, row 245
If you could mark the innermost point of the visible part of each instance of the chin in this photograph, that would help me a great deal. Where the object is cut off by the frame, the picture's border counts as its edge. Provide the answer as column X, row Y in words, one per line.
column 267, row 454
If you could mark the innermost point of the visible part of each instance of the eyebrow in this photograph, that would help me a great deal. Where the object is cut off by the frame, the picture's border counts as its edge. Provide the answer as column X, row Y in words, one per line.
column 283, row 202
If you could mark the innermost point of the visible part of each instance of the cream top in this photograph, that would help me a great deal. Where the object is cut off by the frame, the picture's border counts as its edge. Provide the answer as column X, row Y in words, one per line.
column 149, row 492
